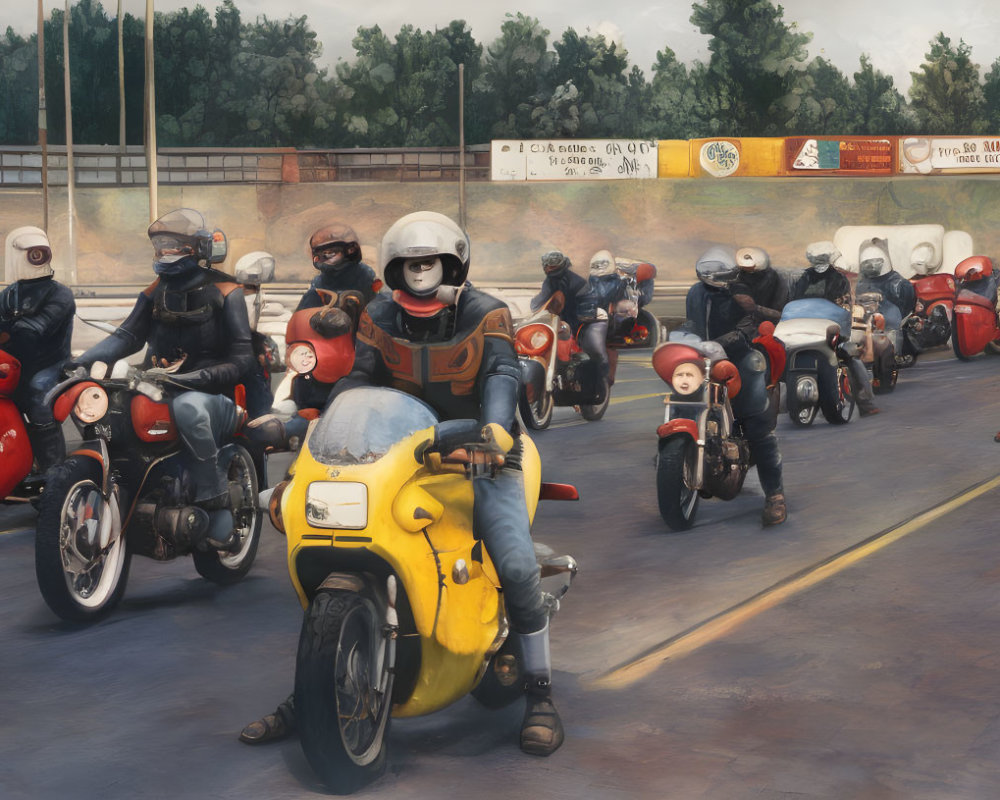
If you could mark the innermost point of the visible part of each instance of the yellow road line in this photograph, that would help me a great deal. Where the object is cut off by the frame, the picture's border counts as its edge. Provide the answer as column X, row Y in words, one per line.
column 722, row 623
column 630, row 397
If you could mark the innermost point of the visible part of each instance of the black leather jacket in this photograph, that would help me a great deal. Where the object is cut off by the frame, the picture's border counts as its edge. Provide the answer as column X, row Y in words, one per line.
column 200, row 315
column 581, row 301
column 37, row 316
column 352, row 276
column 462, row 362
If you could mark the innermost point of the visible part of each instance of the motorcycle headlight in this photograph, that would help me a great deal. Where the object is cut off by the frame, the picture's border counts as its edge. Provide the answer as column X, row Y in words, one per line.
column 91, row 405
column 302, row 358
column 337, row 504
column 533, row 340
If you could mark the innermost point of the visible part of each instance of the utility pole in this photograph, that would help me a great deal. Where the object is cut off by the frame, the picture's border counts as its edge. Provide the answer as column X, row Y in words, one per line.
column 150, row 115
column 461, row 146
column 43, row 122
column 69, row 150
column 121, row 79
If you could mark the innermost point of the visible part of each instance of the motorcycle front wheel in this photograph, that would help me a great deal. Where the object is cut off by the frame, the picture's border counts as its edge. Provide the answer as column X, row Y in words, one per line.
column 536, row 414
column 594, row 411
column 800, row 412
column 675, row 490
column 884, row 372
column 838, row 406
column 652, row 326
column 343, row 690
column 229, row 566
column 80, row 579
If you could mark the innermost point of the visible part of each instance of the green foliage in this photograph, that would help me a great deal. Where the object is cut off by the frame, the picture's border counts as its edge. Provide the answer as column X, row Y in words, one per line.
column 946, row 94
column 225, row 81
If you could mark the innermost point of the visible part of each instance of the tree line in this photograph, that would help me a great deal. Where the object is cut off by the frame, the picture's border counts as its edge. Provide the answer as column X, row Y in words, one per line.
column 222, row 81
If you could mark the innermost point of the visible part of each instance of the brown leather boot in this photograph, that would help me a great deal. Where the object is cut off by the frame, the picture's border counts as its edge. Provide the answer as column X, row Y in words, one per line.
column 774, row 510
column 541, row 730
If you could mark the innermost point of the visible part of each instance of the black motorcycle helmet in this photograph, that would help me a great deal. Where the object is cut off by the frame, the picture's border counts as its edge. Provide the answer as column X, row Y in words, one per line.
column 716, row 267
column 181, row 240
column 555, row 263
column 332, row 240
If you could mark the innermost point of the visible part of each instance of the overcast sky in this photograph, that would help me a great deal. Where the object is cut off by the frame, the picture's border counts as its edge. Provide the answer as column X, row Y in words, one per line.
column 895, row 33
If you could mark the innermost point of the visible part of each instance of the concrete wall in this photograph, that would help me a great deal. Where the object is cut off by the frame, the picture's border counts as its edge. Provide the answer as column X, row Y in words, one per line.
column 668, row 222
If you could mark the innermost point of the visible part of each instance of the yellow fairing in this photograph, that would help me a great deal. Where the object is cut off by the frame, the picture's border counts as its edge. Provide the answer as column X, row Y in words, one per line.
column 420, row 523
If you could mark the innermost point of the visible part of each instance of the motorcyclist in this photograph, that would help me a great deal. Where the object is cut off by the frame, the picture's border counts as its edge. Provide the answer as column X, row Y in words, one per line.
column 464, row 340
column 336, row 254
column 580, row 311
column 36, row 326
column 875, row 274
column 713, row 313
column 609, row 280
column 822, row 279
column 197, row 316
column 759, row 289
column 978, row 275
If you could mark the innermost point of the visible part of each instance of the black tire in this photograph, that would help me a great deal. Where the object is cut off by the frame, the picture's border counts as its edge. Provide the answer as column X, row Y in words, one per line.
column 502, row 683
column 800, row 412
column 651, row 324
column 956, row 348
column 79, row 580
column 992, row 349
column 838, row 406
column 229, row 567
column 342, row 719
column 536, row 415
column 884, row 372
column 594, row 411
column 674, row 474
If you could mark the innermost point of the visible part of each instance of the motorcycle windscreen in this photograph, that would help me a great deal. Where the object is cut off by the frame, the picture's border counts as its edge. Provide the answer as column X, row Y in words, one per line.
column 362, row 424
column 818, row 308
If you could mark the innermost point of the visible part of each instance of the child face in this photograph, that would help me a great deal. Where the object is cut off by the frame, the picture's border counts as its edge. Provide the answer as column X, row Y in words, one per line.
column 686, row 378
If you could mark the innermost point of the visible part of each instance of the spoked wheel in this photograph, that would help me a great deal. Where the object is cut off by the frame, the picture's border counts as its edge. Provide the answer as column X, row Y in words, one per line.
column 838, row 408
column 802, row 400
column 675, row 486
column 595, row 411
column 343, row 690
column 537, row 414
column 229, row 566
column 81, row 557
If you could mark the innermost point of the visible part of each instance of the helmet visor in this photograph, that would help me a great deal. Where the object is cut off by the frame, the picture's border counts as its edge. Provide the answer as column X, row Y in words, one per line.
column 171, row 248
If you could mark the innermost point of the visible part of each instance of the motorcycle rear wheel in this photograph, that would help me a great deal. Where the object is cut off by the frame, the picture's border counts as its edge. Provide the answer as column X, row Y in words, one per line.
column 675, row 492
column 228, row 567
column 342, row 718
column 79, row 580
column 593, row 412
column 537, row 414
column 841, row 411
column 957, row 348
column 800, row 412
column 502, row 682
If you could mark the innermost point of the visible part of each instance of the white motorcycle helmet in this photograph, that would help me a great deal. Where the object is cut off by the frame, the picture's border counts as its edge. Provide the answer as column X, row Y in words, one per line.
column 752, row 259
column 430, row 240
column 28, row 254
column 602, row 263
column 822, row 255
column 924, row 260
column 873, row 258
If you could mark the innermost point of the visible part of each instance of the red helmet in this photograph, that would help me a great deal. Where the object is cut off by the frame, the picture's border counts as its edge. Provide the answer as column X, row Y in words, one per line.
column 973, row 268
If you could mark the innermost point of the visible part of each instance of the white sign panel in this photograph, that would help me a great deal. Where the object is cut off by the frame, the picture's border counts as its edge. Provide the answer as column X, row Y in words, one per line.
column 929, row 156
column 573, row 159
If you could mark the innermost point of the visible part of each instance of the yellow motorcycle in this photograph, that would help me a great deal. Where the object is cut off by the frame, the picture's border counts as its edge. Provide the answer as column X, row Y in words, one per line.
column 404, row 612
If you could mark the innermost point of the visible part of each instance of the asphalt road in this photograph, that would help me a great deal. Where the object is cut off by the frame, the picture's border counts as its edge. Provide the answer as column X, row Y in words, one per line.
column 728, row 662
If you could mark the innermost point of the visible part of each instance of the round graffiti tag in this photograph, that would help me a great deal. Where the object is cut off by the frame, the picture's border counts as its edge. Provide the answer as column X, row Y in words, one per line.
column 720, row 158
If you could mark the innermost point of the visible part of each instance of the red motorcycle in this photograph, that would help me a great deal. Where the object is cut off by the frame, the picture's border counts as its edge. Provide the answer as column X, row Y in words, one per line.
column 555, row 371
column 975, row 327
column 128, row 490
column 15, row 448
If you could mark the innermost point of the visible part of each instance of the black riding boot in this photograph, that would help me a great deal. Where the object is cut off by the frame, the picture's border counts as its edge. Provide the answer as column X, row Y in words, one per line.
column 47, row 445
column 541, row 730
